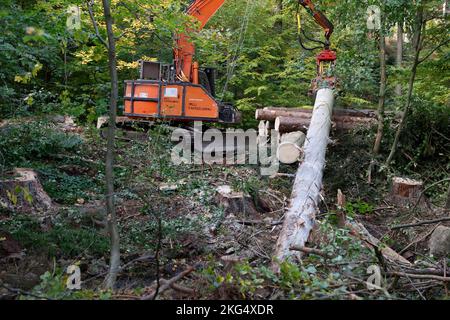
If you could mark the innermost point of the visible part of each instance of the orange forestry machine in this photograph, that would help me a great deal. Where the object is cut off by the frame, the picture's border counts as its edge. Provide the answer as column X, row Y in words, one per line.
column 183, row 91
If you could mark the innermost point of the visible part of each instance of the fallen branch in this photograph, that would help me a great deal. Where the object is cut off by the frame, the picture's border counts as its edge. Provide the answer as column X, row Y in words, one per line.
column 166, row 284
column 259, row 222
column 428, row 271
column 179, row 288
column 421, row 223
column 419, row 240
column 311, row 251
column 418, row 276
column 23, row 292
column 428, row 188
column 359, row 230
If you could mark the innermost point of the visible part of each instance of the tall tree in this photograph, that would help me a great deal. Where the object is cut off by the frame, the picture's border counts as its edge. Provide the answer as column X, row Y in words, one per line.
column 399, row 56
column 382, row 94
column 114, row 263
column 425, row 13
column 447, row 204
column 278, row 12
column 110, row 44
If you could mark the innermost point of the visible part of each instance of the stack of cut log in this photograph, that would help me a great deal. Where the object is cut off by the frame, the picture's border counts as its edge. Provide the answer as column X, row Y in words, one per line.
column 293, row 123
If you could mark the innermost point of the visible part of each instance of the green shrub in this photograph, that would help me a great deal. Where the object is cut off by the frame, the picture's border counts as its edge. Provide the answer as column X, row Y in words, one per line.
column 62, row 240
column 21, row 144
column 53, row 286
column 64, row 188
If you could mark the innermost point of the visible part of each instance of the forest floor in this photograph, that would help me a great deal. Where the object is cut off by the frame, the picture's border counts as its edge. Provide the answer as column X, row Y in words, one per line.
column 171, row 218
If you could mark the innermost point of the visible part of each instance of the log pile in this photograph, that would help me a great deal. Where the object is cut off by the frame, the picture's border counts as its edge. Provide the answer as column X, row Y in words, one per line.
column 356, row 117
column 288, row 120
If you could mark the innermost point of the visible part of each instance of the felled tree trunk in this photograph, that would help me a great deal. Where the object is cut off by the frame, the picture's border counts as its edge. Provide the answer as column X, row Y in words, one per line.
column 351, row 122
column 290, row 147
column 300, row 217
column 290, row 124
column 23, row 192
column 271, row 113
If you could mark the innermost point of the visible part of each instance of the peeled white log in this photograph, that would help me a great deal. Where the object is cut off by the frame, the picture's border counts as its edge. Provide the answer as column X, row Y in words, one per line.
column 300, row 216
column 262, row 129
column 290, row 148
column 267, row 128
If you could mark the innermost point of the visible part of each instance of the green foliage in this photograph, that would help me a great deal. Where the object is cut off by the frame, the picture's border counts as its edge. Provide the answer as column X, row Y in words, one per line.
column 315, row 277
column 65, row 71
column 53, row 286
column 359, row 207
column 426, row 130
column 61, row 240
column 30, row 141
column 66, row 189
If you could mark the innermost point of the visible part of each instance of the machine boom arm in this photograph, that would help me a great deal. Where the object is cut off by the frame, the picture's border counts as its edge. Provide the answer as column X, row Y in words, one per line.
column 184, row 52
column 319, row 17
column 203, row 10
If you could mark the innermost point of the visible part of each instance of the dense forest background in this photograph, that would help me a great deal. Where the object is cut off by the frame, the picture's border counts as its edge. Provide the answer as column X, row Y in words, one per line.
column 52, row 66
column 49, row 68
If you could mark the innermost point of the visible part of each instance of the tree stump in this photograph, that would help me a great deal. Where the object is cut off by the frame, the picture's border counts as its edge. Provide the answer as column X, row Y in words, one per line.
column 341, row 216
column 407, row 192
column 22, row 192
column 235, row 202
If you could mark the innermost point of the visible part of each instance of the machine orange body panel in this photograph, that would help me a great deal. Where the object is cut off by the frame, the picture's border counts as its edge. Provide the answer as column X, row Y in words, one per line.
column 159, row 100
column 174, row 92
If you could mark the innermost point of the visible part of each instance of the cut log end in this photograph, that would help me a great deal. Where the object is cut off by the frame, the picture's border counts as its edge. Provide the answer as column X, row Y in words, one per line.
column 407, row 192
column 290, row 148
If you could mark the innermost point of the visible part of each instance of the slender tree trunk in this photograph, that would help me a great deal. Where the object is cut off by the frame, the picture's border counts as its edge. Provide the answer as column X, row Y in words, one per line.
column 381, row 104
column 278, row 10
column 382, row 96
column 110, row 198
column 417, row 49
column 399, row 58
column 447, row 205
